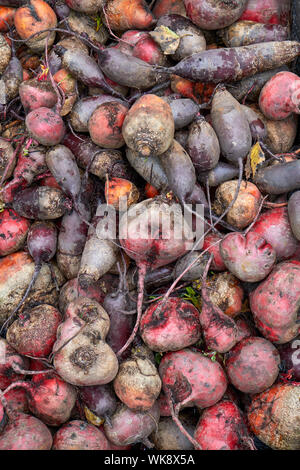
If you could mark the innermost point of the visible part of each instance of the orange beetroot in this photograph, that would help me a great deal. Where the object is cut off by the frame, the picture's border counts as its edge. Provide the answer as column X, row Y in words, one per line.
column 128, row 14
column 273, row 416
column 6, row 16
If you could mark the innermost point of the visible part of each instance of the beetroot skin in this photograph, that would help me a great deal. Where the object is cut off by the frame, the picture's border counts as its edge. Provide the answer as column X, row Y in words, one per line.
column 170, row 325
column 191, row 379
column 46, row 126
column 253, row 365
column 275, row 303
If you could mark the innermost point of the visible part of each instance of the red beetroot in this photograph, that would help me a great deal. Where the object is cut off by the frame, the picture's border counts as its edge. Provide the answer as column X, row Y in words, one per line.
column 209, row 14
column 280, row 96
column 222, row 427
column 45, row 126
column 25, row 432
column 51, row 399
column 253, row 365
column 275, row 303
column 211, row 244
column 148, row 50
column 17, row 400
column 267, row 11
column 79, row 435
column 273, row 225
column 250, row 258
column 11, row 361
column 191, row 379
column 129, row 427
column 220, row 331
column 148, row 251
column 36, row 94
column 13, row 231
column 170, row 325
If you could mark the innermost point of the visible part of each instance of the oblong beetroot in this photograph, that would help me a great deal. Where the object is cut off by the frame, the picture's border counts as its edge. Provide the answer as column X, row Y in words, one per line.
column 275, row 303
column 25, row 432
column 250, row 258
column 252, row 365
column 79, row 435
column 45, row 126
column 170, row 325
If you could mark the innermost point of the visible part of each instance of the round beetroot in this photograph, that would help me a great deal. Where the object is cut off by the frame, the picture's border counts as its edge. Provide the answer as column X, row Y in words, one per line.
column 45, row 126
column 253, row 365
column 170, row 325
column 79, row 435
column 34, row 332
column 13, row 231
column 25, row 432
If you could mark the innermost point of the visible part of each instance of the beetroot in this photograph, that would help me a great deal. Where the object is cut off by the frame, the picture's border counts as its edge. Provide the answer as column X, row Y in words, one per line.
column 222, row 427
column 273, row 416
column 36, row 94
column 129, row 427
column 79, row 435
column 275, row 303
column 209, row 14
column 45, row 126
column 11, row 362
column 253, row 365
column 81, row 356
column 25, row 432
column 220, row 331
column 290, row 358
column 191, row 379
column 100, row 399
column 34, row 332
column 273, row 225
column 137, row 383
column 13, row 231
column 170, row 325
column 250, row 258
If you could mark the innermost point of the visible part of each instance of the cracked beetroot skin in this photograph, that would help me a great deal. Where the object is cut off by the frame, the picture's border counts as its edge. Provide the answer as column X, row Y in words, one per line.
column 275, row 303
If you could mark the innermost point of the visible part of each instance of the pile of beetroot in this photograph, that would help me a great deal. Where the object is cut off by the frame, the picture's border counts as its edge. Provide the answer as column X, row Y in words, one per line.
column 117, row 116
